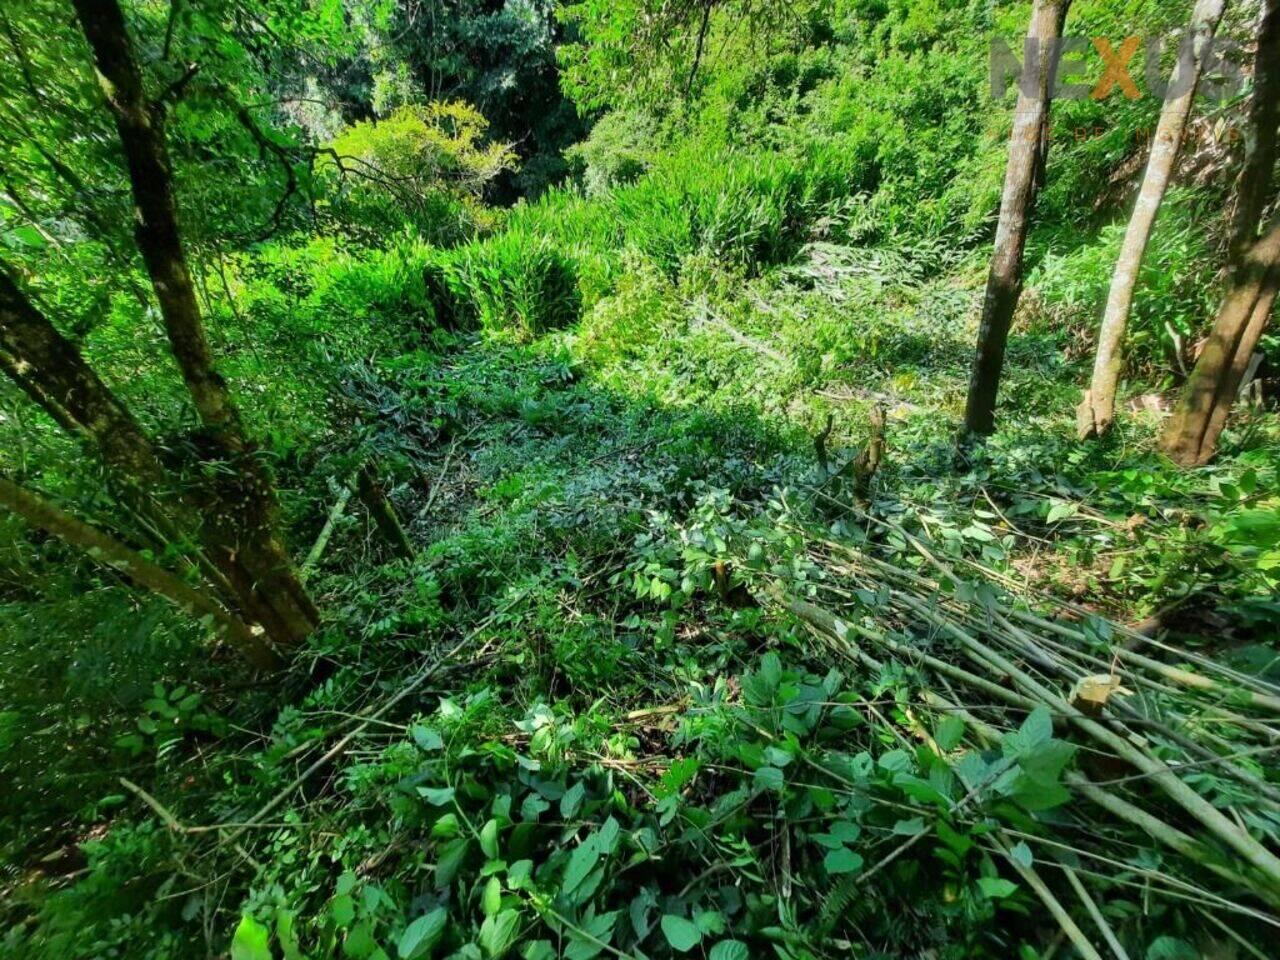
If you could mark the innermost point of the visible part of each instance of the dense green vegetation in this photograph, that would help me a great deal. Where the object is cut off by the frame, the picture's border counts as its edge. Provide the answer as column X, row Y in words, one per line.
column 592, row 480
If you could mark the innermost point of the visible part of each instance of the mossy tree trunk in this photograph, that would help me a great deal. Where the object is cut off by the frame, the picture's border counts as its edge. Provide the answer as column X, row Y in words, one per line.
column 1028, row 148
column 51, row 370
column 1097, row 409
column 383, row 512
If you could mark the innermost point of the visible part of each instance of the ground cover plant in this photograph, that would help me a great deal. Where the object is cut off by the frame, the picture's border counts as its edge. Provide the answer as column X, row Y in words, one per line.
column 527, row 480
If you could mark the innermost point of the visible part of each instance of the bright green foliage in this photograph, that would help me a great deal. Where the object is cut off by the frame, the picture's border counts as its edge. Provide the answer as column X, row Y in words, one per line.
column 595, row 411
column 514, row 282
column 432, row 162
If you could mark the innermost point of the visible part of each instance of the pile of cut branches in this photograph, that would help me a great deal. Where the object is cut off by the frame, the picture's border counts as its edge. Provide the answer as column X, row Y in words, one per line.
column 1167, row 784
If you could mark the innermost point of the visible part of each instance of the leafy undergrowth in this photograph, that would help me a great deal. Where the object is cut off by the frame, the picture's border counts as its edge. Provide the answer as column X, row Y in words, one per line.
column 569, row 727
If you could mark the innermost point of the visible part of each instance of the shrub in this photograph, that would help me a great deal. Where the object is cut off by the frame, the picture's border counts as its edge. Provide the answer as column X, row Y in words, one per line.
column 515, row 281
column 621, row 147
column 431, row 162
column 1175, row 294
column 749, row 210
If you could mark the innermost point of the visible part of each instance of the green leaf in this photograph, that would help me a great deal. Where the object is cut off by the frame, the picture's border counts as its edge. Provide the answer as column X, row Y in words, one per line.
column 520, row 874
column 572, row 800
column 446, row 828
column 491, row 899
column 422, row 933
column 679, row 774
column 1035, row 795
column 1171, row 948
column 771, row 670
column 769, row 778
column 909, row 828
column 360, row 943
column 436, row 796
column 599, row 932
column 958, row 842
column 1048, row 760
column 710, row 922
column 1061, row 510
column 843, row 860
column 1037, row 728
column 1022, row 855
column 896, row 761
column 996, row 888
column 499, row 932
column 828, row 840
column 250, row 941
column 343, row 910
column 489, row 839
column 729, row 950
column 426, row 738
column 533, row 807
column 450, row 862
column 846, row 830
column 284, row 932
column 949, row 732
column 779, row 758
column 680, row 933
column 607, row 838
column 581, row 861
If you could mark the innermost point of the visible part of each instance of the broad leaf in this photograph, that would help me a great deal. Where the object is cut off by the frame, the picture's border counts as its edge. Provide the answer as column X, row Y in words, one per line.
column 680, row 933
column 422, row 933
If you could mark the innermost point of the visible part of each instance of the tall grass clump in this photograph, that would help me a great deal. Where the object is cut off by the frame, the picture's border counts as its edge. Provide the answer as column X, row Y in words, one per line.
column 516, row 281
column 746, row 209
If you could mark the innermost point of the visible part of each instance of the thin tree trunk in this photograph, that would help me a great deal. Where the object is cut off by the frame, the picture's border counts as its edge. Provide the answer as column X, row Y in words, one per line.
column 1097, row 409
column 106, row 549
column 140, row 126
column 243, row 512
column 697, row 53
column 1028, row 147
column 1191, row 435
column 383, row 513
column 322, row 541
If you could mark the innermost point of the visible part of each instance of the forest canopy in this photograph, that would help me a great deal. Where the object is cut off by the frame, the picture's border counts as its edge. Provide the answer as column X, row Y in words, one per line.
column 647, row 478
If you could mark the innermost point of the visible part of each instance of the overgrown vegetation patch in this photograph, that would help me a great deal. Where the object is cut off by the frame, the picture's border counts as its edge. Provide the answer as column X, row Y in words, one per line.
column 560, row 405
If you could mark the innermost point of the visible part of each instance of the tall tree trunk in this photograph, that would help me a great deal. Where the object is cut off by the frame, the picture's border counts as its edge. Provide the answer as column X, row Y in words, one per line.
column 1097, row 410
column 1191, row 435
column 106, row 549
column 1028, row 148
column 243, row 511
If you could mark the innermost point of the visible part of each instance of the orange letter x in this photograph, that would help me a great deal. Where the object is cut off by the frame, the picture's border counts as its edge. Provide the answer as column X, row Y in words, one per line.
column 1117, row 64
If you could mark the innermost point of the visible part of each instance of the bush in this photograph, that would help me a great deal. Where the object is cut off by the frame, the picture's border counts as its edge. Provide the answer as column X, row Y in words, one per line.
column 621, row 147
column 1175, row 296
column 431, row 163
column 515, row 281
column 747, row 210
